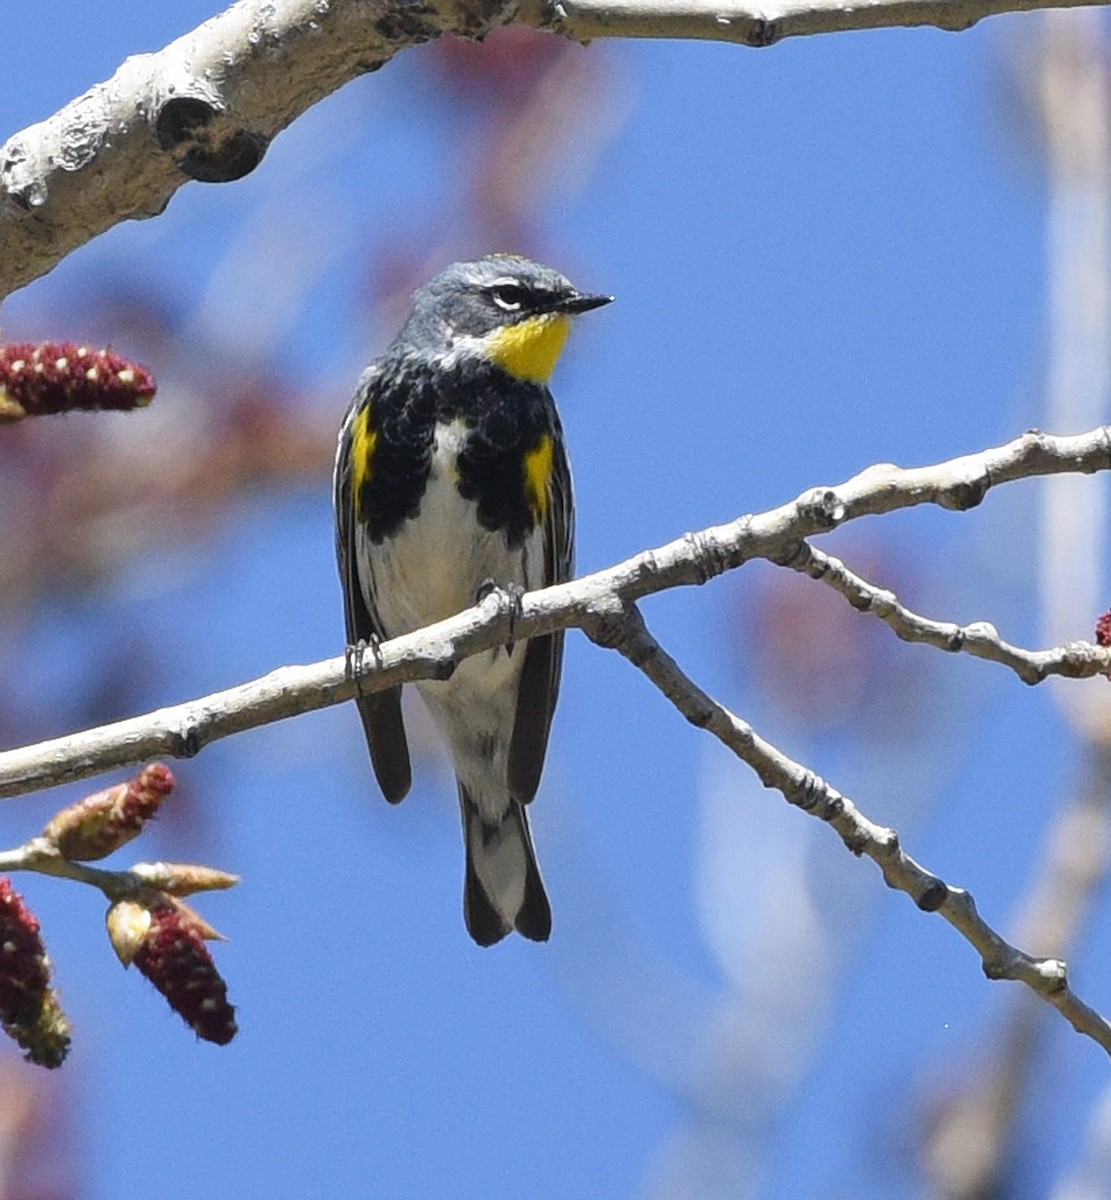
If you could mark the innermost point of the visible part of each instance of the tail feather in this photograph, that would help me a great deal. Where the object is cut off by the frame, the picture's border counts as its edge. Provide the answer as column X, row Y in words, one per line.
column 484, row 922
column 385, row 738
column 503, row 889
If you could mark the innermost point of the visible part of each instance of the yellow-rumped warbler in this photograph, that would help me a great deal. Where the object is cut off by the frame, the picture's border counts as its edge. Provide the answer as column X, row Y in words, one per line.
column 451, row 479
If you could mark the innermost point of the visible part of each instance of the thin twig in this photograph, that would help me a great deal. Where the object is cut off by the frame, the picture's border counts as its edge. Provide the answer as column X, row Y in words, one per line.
column 980, row 639
column 42, row 856
column 620, row 627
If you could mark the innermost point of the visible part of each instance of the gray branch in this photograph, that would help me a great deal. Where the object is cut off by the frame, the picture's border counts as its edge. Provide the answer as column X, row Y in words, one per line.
column 208, row 105
column 778, row 535
column 980, row 638
column 621, row 627
column 206, row 108
column 603, row 605
column 756, row 25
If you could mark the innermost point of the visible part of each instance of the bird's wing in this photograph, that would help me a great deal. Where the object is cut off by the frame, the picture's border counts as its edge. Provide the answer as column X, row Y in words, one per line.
column 380, row 711
column 539, row 688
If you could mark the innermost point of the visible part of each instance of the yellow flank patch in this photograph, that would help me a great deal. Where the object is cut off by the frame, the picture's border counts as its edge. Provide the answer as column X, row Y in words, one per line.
column 363, row 440
column 538, row 475
column 530, row 349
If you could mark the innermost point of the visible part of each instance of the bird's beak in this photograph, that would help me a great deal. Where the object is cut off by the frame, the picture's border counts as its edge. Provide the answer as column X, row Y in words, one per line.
column 582, row 302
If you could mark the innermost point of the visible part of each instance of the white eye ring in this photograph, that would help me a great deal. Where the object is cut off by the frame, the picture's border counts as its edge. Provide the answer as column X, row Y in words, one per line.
column 508, row 295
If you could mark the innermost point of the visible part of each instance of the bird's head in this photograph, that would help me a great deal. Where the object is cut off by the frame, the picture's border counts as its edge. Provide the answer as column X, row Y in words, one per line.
column 513, row 311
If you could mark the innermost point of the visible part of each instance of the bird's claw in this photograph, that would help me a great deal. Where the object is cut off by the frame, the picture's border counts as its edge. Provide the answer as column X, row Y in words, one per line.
column 355, row 658
column 511, row 595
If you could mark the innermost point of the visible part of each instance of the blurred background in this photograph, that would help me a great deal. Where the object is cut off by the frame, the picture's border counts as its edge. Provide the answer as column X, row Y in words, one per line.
column 889, row 246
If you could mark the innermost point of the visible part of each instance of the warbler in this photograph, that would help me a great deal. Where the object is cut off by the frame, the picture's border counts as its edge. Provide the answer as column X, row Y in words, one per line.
column 451, row 479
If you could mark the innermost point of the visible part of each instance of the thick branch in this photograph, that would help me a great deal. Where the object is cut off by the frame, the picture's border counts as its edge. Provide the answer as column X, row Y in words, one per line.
column 622, row 628
column 208, row 105
column 778, row 535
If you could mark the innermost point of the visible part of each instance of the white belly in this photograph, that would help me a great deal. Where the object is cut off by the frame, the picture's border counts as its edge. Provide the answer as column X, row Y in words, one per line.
column 432, row 568
column 435, row 564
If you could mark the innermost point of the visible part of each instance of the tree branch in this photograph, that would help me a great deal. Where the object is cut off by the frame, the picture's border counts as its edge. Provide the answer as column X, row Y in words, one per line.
column 603, row 604
column 208, row 105
column 980, row 639
column 778, row 535
column 620, row 627
column 754, row 25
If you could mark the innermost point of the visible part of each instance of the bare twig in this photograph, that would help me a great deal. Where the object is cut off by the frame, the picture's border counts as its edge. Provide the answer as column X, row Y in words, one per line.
column 757, row 25
column 778, row 535
column 971, row 1137
column 621, row 627
column 43, row 857
column 980, row 639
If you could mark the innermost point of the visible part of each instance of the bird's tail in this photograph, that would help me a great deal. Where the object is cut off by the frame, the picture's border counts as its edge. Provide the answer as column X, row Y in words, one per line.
column 503, row 888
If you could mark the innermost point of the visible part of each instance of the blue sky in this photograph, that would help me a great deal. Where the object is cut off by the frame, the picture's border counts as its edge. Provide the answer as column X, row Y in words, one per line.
column 825, row 254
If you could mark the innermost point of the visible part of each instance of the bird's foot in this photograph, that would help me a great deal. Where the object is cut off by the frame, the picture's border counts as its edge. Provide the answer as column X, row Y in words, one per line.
column 355, row 658
column 509, row 595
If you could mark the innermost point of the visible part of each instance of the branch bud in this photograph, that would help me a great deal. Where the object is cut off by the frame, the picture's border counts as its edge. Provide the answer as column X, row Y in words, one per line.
column 57, row 377
column 29, row 1008
column 182, row 879
column 128, row 925
column 172, row 954
column 103, row 822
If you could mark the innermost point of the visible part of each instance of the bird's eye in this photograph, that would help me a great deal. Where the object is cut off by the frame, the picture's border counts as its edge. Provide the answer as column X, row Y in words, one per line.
column 508, row 296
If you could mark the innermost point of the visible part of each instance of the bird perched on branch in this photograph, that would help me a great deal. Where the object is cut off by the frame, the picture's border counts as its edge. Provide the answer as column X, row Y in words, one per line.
column 451, row 479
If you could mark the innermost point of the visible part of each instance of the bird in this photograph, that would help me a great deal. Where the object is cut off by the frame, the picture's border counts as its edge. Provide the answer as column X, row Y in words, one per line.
column 452, row 479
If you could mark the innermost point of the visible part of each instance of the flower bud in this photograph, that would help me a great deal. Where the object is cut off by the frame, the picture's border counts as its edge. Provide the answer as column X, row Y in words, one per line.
column 128, row 924
column 103, row 822
column 1103, row 633
column 46, row 1038
column 57, row 377
column 173, row 956
column 29, row 1008
column 182, row 879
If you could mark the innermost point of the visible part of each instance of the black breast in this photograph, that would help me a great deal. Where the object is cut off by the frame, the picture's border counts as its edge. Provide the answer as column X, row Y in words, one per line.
column 403, row 418
column 505, row 419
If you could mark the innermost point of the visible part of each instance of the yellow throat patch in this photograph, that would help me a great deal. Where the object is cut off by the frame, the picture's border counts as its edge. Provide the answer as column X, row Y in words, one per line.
column 530, row 349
